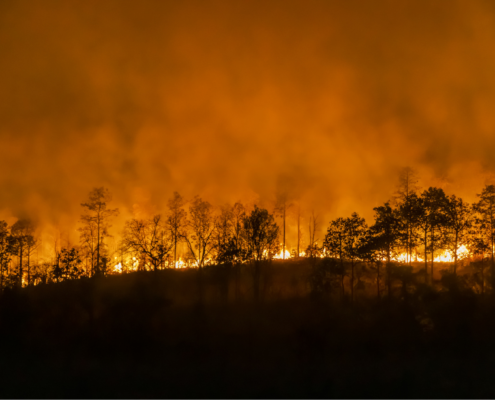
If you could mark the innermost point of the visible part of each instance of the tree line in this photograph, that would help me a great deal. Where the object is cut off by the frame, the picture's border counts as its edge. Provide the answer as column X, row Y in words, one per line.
column 408, row 231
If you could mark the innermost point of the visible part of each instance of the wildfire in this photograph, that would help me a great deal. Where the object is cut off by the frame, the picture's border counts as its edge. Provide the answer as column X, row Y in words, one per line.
column 118, row 268
column 280, row 255
column 444, row 256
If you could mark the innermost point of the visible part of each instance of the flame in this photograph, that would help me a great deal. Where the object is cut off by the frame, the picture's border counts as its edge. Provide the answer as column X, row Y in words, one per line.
column 280, row 255
column 444, row 256
column 118, row 268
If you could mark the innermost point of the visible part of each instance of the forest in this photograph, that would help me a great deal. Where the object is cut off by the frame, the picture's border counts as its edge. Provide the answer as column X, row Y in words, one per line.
column 402, row 307
column 417, row 236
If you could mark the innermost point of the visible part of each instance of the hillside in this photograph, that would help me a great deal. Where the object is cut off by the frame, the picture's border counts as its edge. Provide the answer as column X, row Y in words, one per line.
column 145, row 335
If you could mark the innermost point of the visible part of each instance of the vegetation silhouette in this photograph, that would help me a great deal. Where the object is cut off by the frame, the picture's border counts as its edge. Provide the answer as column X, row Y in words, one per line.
column 203, row 302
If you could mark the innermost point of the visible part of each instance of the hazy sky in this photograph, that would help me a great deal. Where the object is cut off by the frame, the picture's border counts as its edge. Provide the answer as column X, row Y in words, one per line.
column 227, row 98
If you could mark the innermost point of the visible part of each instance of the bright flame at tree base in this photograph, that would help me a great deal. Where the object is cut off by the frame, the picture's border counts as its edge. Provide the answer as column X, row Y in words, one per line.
column 444, row 256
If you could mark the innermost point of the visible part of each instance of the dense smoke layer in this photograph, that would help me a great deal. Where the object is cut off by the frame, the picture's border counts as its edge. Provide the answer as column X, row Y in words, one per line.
column 234, row 99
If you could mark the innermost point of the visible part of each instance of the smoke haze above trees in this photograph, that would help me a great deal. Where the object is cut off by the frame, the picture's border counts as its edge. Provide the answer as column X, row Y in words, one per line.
column 222, row 99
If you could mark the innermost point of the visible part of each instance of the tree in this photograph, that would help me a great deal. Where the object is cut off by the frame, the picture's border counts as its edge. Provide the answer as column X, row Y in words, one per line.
column 176, row 221
column 342, row 241
column 479, row 245
column 146, row 238
column 238, row 245
column 485, row 219
column 68, row 265
column 199, row 236
column 334, row 244
column 299, row 232
column 260, row 235
column 372, row 251
column 355, row 228
column 387, row 234
column 431, row 219
column 458, row 223
column 281, row 207
column 223, row 234
column 405, row 198
column 6, row 250
column 313, row 250
column 96, row 222
column 31, row 245
column 23, row 240
column 88, row 242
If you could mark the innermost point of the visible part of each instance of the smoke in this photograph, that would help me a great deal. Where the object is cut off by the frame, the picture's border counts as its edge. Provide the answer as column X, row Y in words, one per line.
column 226, row 99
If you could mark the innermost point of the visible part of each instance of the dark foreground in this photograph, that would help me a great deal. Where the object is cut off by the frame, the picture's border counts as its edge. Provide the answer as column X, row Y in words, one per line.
column 127, row 337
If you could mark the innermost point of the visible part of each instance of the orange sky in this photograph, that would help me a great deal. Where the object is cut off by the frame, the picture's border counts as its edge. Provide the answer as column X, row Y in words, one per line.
column 227, row 98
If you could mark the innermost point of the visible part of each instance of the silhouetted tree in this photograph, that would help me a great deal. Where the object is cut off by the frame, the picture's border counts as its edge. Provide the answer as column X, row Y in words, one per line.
column 283, row 204
column 260, row 234
column 355, row 228
column 387, row 233
column 313, row 250
column 299, row 231
column 69, row 265
column 405, row 197
column 485, row 220
column 96, row 222
column 372, row 251
column 23, row 240
column 147, row 239
column 238, row 245
column 224, row 230
column 6, row 250
column 431, row 217
column 199, row 235
column 479, row 245
column 334, row 245
column 458, row 223
column 176, row 221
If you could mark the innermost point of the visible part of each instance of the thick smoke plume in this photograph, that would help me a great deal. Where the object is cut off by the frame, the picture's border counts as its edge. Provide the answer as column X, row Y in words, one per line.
column 232, row 100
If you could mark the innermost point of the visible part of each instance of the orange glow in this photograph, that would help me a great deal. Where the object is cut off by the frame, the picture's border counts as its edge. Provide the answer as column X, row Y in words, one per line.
column 443, row 256
column 280, row 255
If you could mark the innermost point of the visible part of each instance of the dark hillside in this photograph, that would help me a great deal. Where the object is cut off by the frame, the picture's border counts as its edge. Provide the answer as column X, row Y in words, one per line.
column 144, row 335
